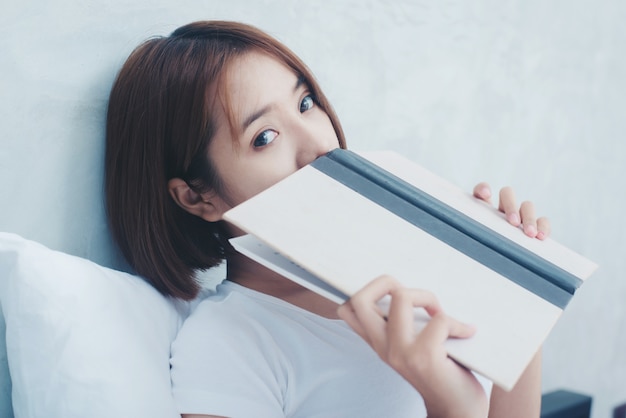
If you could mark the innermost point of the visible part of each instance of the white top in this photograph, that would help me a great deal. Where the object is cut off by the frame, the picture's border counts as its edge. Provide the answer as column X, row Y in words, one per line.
column 242, row 353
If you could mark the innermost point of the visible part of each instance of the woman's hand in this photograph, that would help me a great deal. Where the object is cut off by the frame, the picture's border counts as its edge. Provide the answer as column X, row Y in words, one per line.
column 525, row 398
column 448, row 389
column 523, row 217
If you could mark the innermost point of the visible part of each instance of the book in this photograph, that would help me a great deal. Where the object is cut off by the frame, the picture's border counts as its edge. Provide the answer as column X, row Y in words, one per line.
column 346, row 218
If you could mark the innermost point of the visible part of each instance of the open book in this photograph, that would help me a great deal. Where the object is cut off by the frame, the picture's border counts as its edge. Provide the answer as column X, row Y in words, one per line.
column 343, row 220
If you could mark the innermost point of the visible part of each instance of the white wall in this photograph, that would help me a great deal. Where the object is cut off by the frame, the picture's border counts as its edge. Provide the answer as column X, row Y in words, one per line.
column 530, row 93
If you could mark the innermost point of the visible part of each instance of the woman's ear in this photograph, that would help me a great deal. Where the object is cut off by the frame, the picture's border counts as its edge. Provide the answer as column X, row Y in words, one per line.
column 209, row 206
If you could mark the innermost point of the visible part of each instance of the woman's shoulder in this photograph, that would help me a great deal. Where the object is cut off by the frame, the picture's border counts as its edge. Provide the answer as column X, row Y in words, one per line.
column 223, row 307
column 239, row 302
column 227, row 333
column 231, row 298
column 234, row 314
column 232, row 310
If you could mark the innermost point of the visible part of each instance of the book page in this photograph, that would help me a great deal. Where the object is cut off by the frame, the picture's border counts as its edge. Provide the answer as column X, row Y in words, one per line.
column 337, row 235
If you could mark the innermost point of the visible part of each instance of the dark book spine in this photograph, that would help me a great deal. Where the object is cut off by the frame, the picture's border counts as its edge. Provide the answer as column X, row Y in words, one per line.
column 450, row 226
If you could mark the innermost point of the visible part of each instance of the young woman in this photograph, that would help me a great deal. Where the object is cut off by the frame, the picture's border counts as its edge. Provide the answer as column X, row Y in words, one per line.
column 197, row 123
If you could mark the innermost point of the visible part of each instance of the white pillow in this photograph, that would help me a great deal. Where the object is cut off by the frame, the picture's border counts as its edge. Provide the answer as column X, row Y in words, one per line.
column 84, row 340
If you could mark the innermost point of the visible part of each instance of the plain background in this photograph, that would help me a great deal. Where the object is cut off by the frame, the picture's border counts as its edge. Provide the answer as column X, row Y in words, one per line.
column 528, row 93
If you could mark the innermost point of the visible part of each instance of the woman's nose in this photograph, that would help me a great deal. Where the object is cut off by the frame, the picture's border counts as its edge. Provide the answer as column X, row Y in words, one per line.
column 314, row 143
column 311, row 150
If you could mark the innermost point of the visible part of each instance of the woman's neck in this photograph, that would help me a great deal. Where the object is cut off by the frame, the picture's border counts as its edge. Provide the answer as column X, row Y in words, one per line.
column 248, row 273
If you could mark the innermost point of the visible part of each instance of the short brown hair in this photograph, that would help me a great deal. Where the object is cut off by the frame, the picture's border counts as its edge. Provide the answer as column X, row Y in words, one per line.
column 159, row 126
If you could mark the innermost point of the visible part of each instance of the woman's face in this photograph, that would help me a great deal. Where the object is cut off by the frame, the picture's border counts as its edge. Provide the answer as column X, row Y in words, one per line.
column 279, row 127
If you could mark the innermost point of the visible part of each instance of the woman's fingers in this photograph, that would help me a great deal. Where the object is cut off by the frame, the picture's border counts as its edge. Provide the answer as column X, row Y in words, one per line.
column 441, row 327
column 418, row 355
column 533, row 227
column 543, row 228
column 523, row 216
column 392, row 330
column 482, row 191
column 401, row 327
column 529, row 220
column 508, row 207
column 365, row 316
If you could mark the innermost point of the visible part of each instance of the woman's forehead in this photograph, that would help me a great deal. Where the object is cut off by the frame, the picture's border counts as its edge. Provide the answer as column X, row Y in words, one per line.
column 252, row 81
column 255, row 70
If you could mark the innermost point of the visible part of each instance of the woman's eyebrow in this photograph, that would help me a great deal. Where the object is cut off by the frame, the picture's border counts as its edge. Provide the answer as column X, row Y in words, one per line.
column 254, row 116
column 257, row 114
column 299, row 83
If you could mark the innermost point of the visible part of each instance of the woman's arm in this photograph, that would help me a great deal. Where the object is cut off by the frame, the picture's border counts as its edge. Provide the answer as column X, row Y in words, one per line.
column 524, row 400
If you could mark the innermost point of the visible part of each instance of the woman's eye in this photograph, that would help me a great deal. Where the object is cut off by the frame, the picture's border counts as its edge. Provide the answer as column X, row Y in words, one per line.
column 307, row 103
column 265, row 138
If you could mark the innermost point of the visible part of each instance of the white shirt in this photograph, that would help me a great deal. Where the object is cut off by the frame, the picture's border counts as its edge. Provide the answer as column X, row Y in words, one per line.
column 242, row 353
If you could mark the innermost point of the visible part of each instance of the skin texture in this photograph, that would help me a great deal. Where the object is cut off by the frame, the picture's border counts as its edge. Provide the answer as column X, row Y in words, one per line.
column 288, row 132
column 299, row 130
column 304, row 132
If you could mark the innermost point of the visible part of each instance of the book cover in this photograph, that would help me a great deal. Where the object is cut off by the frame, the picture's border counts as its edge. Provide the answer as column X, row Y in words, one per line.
column 345, row 219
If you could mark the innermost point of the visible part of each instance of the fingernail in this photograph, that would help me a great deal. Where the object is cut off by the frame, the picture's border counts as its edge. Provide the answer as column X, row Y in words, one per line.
column 531, row 231
column 513, row 218
column 540, row 235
